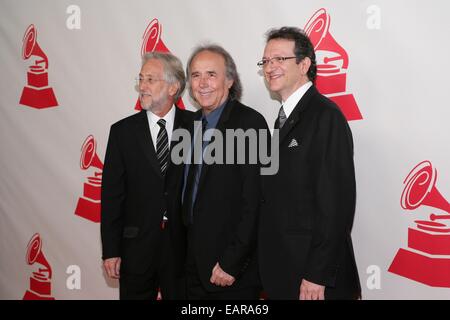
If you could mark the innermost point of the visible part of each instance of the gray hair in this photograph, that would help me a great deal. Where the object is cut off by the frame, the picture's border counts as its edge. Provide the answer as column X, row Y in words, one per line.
column 173, row 69
column 230, row 67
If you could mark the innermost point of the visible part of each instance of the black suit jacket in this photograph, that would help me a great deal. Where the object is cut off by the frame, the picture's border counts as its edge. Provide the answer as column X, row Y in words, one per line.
column 226, row 208
column 308, row 206
column 135, row 196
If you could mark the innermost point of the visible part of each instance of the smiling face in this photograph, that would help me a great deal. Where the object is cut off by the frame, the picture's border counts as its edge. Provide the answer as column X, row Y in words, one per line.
column 155, row 93
column 285, row 77
column 209, row 84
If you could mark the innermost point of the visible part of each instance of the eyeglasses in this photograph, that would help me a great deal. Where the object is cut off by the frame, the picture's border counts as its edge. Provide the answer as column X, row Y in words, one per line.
column 279, row 60
column 139, row 80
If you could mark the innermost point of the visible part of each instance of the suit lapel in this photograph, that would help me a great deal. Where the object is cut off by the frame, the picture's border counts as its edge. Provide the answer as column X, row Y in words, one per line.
column 145, row 140
column 295, row 116
column 221, row 126
column 179, row 122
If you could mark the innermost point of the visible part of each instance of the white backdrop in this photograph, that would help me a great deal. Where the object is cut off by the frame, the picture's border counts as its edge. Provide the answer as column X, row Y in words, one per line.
column 397, row 73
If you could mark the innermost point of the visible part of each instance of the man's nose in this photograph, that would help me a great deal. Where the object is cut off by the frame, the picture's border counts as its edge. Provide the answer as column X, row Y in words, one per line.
column 203, row 82
column 142, row 85
column 269, row 67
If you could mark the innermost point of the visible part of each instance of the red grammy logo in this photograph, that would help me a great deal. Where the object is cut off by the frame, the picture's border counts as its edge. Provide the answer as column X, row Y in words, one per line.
column 40, row 281
column 37, row 93
column 427, row 258
column 152, row 42
column 332, row 64
column 89, row 205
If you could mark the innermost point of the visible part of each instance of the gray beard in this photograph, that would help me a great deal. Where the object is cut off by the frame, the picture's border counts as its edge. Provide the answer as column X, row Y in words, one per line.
column 155, row 105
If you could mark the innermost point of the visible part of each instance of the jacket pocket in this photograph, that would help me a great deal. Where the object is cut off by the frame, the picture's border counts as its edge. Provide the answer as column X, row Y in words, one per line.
column 130, row 232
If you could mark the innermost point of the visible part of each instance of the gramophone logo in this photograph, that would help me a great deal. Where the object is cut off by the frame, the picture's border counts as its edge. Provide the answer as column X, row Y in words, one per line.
column 89, row 205
column 332, row 65
column 152, row 42
column 427, row 258
column 37, row 93
column 40, row 281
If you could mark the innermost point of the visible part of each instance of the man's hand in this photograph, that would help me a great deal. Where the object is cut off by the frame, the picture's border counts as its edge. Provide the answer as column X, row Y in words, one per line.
column 220, row 277
column 311, row 291
column 112, row 267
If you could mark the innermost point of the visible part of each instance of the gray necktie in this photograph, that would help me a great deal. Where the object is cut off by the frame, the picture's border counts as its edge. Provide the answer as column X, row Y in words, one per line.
column 281, row 117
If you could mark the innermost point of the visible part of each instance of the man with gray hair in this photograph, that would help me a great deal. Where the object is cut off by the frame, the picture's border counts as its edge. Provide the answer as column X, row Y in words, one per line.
column 220, row 200
column 143, row 238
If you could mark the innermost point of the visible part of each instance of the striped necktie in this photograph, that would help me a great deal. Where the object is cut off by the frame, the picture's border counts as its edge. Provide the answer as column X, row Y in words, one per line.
column 162, row 146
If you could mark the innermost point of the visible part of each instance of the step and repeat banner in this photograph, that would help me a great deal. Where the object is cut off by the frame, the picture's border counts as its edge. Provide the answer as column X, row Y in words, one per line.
column 67, row 73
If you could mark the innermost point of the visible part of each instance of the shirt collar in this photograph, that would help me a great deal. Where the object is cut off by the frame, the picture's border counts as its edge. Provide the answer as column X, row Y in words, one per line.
column 292, row 101
column 169, row 117
column 213, row 117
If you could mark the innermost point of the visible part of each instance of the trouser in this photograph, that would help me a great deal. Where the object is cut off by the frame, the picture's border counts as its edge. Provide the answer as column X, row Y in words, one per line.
column 145, row 286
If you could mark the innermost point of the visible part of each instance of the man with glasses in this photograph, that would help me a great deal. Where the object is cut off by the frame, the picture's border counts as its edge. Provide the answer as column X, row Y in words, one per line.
column 142, row 235
column 305, row 247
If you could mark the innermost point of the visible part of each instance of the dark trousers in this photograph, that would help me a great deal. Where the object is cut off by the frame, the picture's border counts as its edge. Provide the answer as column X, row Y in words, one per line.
column 196, row 291
column 145, row 286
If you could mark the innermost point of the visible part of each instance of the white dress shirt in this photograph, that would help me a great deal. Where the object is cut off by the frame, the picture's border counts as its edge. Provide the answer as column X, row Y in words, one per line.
column 292, row 101
column 154, row 126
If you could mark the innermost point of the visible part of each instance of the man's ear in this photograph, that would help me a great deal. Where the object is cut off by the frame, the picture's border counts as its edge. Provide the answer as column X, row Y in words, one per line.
column 229, row 83
column 304, row 65
column 173, row 89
